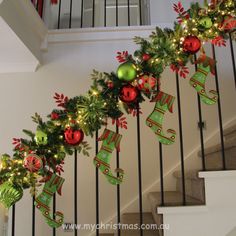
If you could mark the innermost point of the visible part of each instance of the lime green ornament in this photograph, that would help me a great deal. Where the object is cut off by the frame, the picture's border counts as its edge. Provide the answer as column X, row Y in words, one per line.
column 9, row 194
column 41, row 137
column 127, row 71
column 206, row 22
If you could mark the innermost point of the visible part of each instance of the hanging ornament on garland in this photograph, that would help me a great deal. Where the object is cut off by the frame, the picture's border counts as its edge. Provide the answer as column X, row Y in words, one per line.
column 146, row 83
column 10, row 194
column 33, row 163
column 127, row 71
column 164, row 102
column 128, row 94
column 73, row 137
column 111, row 140
column 198, row 81
column 191, row 44
column 41, row 137
column 43, row 201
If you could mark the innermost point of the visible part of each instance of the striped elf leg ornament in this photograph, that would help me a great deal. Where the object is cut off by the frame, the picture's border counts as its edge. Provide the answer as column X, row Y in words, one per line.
column 164, row 102
column 111, row 140
column 43, row 201
column 198, row 81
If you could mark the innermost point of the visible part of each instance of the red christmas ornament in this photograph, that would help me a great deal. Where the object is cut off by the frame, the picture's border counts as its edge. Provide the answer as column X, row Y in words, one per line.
column 146, row 57
column 191, row 44
column 33, row 163
column 73, row 137
column 54, row 116
column 128, row 93
column 146, row 83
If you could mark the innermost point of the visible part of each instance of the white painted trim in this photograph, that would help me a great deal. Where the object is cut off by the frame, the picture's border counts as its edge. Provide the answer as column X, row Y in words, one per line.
column 217, row 174
column 182, row 209
column 100, row 34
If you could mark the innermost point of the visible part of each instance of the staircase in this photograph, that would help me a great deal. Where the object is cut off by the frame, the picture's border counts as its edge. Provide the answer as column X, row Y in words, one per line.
column 197, row 201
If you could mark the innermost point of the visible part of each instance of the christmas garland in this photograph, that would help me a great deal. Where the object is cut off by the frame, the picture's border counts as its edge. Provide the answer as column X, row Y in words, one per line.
column 39, row 159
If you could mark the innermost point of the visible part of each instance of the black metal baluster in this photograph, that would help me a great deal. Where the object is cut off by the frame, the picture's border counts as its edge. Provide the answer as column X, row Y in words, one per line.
column 233, row 57
column 13, row 222
column 139, row 171
column 219, row 112
column 97, row 187
column 200, row 127
column 181, row 139
column 140, row 12
column 82, row 13
column 41, row 10
column 105, row 13
column 75, row 194
column 33, row 217
column 128, row 12
column 118, row 186
column 117, row 12
column 59, row 15
column 71, row 4
column 93, row 24
column 161, row 175
column 54, row 211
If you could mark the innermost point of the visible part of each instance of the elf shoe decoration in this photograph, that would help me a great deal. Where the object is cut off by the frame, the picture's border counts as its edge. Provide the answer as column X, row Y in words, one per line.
column 198, row 81
column 111, row 140
column 43, row 201
column 164, row 102
column 10, row 194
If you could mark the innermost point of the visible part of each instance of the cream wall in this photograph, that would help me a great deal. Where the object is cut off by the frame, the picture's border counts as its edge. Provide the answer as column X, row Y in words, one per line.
column 66, row 69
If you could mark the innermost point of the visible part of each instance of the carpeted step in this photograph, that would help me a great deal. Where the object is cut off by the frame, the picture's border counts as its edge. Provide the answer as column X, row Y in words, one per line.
column 133, row 220
column 213, row 155
column 230, row 132
column 194, row 185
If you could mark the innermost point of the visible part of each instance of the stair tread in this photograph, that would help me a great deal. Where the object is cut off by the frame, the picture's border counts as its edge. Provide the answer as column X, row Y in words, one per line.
column 134, row 217
column 172, row 198
column 228, row 144
column 191, row 174
column 230, row 130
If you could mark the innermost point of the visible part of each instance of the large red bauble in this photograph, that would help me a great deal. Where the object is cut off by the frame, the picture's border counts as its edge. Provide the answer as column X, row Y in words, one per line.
column 191, row 44
column 73, row 137
column 33, row 163
column 128, row 93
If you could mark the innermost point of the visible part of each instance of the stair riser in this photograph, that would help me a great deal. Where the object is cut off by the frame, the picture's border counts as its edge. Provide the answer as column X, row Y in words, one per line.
column 194, row 188
column 214, row 160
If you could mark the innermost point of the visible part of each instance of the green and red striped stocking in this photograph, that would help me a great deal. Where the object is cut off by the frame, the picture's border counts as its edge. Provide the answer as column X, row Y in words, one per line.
column 43, row 201
column 198, row 81
column 111, row 140
column 164, row 102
